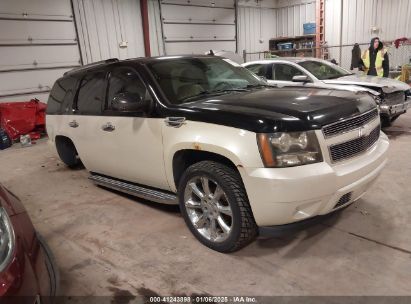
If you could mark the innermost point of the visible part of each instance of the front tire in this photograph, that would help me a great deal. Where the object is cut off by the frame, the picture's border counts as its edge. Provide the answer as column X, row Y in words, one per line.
column 215, row 206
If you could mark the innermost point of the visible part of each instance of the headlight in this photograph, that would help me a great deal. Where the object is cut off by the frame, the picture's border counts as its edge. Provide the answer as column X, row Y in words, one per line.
column 288, row 149
column 6, row 239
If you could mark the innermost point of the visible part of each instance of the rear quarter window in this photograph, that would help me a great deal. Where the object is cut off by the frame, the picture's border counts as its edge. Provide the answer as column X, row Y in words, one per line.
column 61, row 96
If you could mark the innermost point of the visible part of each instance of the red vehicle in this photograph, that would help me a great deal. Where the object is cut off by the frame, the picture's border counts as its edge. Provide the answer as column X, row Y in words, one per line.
column 27, row 268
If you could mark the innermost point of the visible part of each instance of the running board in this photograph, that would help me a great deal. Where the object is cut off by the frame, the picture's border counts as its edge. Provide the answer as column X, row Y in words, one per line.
column 157, row 196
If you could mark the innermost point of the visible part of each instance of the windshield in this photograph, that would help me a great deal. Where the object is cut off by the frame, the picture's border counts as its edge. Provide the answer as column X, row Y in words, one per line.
column 186, row 79
column 323, row 70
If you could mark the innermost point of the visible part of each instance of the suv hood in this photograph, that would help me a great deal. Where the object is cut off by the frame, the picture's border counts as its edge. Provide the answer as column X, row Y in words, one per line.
column 388, row 85
column 278, row 109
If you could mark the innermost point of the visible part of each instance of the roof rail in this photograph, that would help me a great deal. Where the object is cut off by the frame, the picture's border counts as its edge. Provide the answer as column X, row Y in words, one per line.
column 93, row 64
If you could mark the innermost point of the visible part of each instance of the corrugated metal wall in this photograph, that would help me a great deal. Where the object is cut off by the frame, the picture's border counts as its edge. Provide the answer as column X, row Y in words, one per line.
column 392, row 18
column 156, row 38
column 291, row 15
column 270, row 19
column 109, row 29
column 37, row 45
column 257, row 22
column 255, row 28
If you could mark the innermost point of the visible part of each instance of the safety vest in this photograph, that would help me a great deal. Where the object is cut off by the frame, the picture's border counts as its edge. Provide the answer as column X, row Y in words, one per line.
column 378, row 61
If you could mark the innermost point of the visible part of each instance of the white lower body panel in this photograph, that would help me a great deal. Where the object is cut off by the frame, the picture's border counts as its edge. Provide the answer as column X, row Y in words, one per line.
column 287, row 195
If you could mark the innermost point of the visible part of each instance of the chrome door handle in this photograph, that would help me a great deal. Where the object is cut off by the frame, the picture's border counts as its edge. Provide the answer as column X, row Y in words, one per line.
column 73, row 124
column 108, row 127
column 175, row 122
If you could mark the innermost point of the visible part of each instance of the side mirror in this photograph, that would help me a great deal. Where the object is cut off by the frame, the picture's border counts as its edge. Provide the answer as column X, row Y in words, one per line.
column 301, row 78
column 263, row 78
column 128, row 102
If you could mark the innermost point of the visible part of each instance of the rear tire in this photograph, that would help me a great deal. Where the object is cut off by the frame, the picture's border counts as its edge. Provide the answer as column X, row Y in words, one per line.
column 222, row 219
column 67, row 152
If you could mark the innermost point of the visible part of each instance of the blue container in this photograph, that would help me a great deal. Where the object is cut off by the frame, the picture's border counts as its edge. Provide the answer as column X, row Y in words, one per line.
column 285, row 46
column 309, row 28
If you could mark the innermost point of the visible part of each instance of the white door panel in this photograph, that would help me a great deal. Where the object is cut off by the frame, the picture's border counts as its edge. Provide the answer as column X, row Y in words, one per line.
column 132, row 151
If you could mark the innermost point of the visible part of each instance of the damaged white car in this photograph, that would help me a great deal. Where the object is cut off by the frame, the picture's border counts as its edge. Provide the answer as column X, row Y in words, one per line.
column 394, row 97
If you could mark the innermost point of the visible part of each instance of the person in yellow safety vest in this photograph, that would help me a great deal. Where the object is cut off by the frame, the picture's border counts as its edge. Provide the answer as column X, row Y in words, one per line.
column 374, row 61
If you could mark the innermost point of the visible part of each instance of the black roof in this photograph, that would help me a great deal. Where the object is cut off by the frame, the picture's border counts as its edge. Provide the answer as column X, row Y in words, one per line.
column 99, row 64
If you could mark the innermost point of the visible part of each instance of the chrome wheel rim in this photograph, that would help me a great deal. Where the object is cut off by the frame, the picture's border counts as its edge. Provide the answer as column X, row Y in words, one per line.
column 208, row 208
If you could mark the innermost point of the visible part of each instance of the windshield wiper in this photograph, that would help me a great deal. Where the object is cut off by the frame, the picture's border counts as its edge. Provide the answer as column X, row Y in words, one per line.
column 253, row 86
column 232, row 90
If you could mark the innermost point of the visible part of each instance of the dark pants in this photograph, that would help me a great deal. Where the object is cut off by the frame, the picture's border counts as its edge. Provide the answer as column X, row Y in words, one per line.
column 372, row 72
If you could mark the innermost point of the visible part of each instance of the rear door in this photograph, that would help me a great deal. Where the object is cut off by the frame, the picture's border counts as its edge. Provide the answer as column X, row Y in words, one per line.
column 82, row 125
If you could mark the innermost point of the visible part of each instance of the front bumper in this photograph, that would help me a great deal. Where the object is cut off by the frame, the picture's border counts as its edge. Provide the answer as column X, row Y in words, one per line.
column 287, row 195
column 391, row 110
column 32, row 273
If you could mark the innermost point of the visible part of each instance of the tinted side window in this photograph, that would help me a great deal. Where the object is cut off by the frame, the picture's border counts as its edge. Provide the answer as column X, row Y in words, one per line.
column 125, row 80
column 91, row 94
column 264, row 70
column 61, row 96
column 258, row 69
column 285, row 72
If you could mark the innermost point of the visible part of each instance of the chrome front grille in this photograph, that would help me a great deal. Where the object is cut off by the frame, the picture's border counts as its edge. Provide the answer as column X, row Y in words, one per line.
column 354, row 147
column 349, row 124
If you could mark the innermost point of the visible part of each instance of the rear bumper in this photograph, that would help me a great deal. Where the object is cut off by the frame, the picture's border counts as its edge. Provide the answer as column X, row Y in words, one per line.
column 288, row 195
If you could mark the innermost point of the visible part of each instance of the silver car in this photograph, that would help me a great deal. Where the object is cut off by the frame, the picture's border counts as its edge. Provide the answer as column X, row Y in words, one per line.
column 394, row 96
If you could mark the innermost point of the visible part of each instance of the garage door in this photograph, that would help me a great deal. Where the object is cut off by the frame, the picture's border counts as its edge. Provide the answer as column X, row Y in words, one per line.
column 196, row 26
column 38, row 46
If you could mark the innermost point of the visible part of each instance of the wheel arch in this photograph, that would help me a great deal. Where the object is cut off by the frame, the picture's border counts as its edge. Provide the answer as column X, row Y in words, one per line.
column 184, row 158
column 61, row 139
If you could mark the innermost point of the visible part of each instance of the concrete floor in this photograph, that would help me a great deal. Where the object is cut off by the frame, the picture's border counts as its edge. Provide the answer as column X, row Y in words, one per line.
column 111, row 244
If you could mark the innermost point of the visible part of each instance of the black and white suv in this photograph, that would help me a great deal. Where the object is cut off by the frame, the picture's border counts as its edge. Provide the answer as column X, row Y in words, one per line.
column 203, row 132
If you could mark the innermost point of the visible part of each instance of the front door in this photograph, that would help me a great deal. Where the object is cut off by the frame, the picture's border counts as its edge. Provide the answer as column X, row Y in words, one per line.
column 283, row 73
column 128, row 145
column 132, row 142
